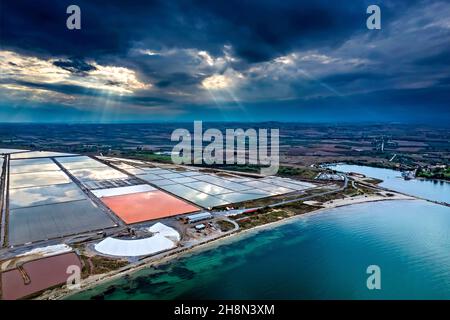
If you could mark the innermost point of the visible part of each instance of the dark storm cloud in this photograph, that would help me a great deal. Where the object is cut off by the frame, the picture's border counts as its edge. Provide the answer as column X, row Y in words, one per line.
column 56, row 87
column 40, row 27
column 302, row 56
column 68, row 89
column 257, row 30
column 75, row 66
column 445, row 82
column 177, row 79
column 439, row 59
column 147, row 100
column 350, row 77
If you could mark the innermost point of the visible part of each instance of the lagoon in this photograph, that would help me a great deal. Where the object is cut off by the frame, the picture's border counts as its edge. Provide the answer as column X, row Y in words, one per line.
column 437, row 190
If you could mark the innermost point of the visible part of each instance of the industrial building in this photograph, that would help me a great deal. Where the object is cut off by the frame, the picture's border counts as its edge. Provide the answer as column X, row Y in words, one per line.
column 199, row 217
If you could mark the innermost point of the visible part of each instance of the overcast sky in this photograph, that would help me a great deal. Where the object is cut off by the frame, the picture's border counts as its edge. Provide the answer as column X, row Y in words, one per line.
column 309, row 61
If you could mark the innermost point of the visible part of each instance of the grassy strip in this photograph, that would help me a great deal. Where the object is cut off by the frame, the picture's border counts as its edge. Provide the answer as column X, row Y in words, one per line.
column 438, row 173
column 225, row 226
column 298, row 172
column 268, row 215
column 147, row 156
column 99, row 265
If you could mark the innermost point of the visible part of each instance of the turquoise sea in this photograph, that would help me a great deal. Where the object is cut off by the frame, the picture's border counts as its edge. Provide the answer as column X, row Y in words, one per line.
column 323, row 256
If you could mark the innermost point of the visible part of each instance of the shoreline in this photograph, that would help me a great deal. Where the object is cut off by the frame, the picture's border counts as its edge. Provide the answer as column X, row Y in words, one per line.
column 327, row 164
column 432, row 179
column 97, row 280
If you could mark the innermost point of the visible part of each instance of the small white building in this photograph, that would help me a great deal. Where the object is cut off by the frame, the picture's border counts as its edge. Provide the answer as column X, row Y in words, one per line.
column 200, row 226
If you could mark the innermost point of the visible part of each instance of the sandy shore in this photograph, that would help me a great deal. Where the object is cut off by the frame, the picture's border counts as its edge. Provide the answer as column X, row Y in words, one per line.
column 362, row 199
column 93, row 281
